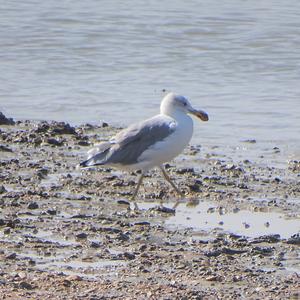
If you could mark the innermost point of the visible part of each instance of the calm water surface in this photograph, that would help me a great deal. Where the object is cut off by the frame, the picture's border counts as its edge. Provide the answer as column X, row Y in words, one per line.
column 86, row 61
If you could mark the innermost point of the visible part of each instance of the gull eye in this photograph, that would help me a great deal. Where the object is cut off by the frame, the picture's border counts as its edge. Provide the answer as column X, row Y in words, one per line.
column 185, row 104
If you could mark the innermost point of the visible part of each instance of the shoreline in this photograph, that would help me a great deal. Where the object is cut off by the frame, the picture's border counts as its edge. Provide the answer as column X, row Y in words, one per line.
column 69, row 234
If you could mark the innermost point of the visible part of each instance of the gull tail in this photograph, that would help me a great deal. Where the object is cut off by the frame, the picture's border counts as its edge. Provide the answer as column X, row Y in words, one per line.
column 96, row 156
column 89, row 163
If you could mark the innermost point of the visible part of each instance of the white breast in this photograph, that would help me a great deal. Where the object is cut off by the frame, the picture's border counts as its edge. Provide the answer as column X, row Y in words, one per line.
column 170, row 147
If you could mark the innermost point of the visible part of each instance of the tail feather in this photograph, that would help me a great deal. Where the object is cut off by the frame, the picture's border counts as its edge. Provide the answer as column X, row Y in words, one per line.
column 88, row 163
column 96, row 156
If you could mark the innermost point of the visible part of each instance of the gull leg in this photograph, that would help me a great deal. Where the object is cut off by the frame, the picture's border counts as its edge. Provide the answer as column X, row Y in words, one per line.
column 167, row 177
column 136, row 190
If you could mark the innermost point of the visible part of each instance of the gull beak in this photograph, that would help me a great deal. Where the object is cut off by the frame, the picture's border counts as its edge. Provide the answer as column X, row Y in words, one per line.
column 199, row 113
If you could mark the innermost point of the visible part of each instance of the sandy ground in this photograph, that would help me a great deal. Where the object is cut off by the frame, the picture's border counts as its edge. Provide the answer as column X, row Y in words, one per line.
column 69, row 234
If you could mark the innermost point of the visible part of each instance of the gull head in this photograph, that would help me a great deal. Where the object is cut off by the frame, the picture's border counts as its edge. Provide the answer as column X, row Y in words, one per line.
column 173, row 104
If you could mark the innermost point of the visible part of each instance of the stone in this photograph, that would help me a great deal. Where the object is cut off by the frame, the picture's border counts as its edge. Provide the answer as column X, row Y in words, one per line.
column 81, row 236
column 6, row 121
column 32, row 205
column 25, row 285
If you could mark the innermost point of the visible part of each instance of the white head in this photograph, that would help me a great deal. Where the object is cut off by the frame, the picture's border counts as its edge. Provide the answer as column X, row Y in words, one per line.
column 173, row 104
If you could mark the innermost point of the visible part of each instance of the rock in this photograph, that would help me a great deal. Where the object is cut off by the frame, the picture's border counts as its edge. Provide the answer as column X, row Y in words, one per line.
column 294, row 166
column 213, row 253
column 42, row 127
column 246, row 225
column 228, row 251
column 2, row 189
column 22, row 275
column 95, row 245
column 4, row 148
column 270, row 238
column 163, row 209
column 73, row 278
column 42, row 173
column 294, row 239
column 196, row 186
column 143, row 247
column 262, row 250
column 55, row 142
column 81, row 216
column 142, row 223
column 81, row 236
column 31, row 262
column 51, row 212
column 122, row 237
column 213, row 278
column 83, row 143
column 25, row 285
column 2, row 282
column 32, row 205
column 231, row 251
column 67, row 283
column 250, row 141
column 129, row 255
column 108, row 229
column 6, row 121
column 185, row 170
column 11, row 256
column 62, row 128
column 123, row 202
column 7, row 230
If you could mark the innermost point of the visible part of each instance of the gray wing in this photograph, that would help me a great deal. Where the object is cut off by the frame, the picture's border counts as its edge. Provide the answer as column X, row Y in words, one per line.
column 131, row 142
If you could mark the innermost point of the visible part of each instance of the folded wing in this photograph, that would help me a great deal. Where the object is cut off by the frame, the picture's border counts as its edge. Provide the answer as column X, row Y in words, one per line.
column 128, row 145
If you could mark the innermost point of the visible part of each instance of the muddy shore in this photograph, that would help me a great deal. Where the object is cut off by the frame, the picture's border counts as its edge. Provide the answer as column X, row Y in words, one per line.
column 70, row 234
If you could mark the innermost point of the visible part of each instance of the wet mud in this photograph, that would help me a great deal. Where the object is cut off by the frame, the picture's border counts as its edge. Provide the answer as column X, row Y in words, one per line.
column 72, row 234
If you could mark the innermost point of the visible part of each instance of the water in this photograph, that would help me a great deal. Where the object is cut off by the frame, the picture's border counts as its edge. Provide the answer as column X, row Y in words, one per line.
column 109, row 60
column 207, row 217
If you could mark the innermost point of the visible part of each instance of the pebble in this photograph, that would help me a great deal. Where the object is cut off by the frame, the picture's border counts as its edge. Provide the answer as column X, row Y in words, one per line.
column 11, row 256
column 294, row 239
column 142, row 223
column 51, row 212
column 164, row 209
column 95, row 245
column 129, row 255
column 7, row 230
column 55, row 142
column 81, row 236
column 73, row 278
column 213, row 278
column 6, row 121
column 62, row 128
column 32, row 205
column 2, row 189
column 123, row 202
column 25, row 285
column 250, row 141
column 4, row 148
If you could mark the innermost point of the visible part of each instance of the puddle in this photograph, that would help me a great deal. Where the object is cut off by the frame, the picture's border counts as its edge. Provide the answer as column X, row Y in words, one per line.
column 56, row 239
column 54, row 179
column 59, row 263
column 206, row 216
column 88, row 270
column 293, row 200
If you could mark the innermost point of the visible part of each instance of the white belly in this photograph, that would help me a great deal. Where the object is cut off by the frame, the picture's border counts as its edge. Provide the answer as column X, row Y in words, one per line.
column 169, row 148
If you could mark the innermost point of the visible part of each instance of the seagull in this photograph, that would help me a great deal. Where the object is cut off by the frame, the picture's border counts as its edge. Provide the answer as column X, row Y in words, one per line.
column 150, row 143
